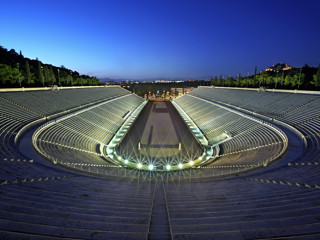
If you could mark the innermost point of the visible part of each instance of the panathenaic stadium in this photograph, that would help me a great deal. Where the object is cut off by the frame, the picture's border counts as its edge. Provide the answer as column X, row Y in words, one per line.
column 104, row 163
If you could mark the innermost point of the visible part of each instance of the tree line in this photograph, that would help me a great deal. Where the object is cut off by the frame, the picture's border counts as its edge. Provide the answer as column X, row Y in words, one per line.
column 18, row 71
column 296, row 78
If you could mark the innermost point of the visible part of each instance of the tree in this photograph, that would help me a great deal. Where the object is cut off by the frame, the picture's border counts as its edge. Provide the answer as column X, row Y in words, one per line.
column 288, row 80
column 297, row 79
column 316, row 78
column 211, row 81
column 239, row 80
column 15, row 76
column 46, row 74
column 71, row 79
column 246, row 83
column 265, row 78
column 5, row 73
column 269, row 80
column 39, row 75
column 51, row 76
column 95, row 80
column 15, row 68
column 255, row 77
column 27, row 73
column 68, row 80
column 230, row 81
column 80, row 81
column 215, row 80
column 282, row 79
column 19, row 75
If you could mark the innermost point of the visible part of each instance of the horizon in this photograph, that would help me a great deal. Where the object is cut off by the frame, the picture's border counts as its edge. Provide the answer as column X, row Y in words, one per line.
column 163, row 40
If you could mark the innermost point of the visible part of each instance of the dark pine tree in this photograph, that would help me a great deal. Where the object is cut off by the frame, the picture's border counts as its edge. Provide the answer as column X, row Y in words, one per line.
column 255, row 77
column 27, row 73
column 39, row 74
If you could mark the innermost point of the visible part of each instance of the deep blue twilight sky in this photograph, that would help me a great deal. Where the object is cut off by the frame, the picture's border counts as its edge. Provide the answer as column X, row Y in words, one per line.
column 163, row 39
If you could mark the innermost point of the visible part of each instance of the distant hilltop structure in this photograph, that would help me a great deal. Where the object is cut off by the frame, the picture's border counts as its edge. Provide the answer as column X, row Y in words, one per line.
column 279, row 67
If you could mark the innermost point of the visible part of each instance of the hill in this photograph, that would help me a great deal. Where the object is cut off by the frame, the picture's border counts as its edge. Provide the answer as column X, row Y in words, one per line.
column 18, row 71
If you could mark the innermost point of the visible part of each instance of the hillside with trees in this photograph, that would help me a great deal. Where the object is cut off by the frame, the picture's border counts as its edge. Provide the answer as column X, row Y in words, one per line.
column 307, row 78
column 18, row 71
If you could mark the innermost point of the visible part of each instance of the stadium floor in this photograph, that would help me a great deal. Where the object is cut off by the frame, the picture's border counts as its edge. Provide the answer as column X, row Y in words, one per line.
column 159, row 129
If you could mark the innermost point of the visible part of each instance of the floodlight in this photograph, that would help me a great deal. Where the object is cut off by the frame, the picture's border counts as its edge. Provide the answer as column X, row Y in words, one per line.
column 180, row 165
column 119, row 157
column 200, row 158
column 126, row 161
column 139, row 165
column 168, row 167
column 191, row 163
column 150, row 167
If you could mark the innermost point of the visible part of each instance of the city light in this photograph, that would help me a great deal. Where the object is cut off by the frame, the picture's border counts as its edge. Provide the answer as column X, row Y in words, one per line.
column 168, row 167
column 126, row 161
column 180, row 165
column 191, row 163
column 139, row 165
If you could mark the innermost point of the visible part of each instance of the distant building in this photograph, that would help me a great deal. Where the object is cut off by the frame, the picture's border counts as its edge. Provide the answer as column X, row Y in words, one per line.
column 188, row 89
column 179, row 92
column 279, row 67
column 109, row 83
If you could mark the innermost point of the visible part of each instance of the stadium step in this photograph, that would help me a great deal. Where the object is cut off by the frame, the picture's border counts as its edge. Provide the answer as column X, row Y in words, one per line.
column 64, row 232
column 159, row 223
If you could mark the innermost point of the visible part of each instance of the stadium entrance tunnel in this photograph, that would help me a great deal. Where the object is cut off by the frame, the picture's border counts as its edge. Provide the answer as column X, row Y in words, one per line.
column 161, row 138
